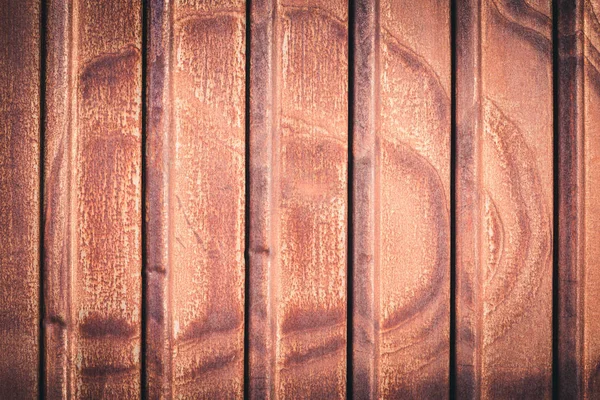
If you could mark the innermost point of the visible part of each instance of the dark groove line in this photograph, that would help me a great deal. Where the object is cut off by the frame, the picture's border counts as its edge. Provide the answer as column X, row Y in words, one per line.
column 143, row 334
column 42, row 330
column 453, row 144
column 350, row 210
column 556, row 198
column 247, row 207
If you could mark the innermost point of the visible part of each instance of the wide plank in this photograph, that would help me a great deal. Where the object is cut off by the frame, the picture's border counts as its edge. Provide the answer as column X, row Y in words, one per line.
column 195, row 199
column 19, row 198
column 504, row 199
column 401, row 216
column 298, row 197
column 92, row 199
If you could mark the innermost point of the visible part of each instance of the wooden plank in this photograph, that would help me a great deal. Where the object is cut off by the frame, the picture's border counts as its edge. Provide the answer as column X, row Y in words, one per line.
column 570, row 286
column 401, row 199
column 467, row 170
column 414, row 228
column 57, row 196
column 93, row 199
column 365, row 257
column 591, row 210
column 208, row 198
column 158, row 365
column 504, row 199
column 262, row 317
column 195, row 199
column 19, row 198
column 298, row 133
column 579, row 205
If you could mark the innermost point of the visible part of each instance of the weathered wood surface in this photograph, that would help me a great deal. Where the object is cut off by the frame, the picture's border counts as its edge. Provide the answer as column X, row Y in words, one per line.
column 298, row 171
column 159, row 378
column 58, row 249
column 401, row 202
column 195, row 198
column 92, row 199
column 591, row 154
column 578, row 108
column 504, row 197
column 71, row 167
column 19, row 198
column 262, row 323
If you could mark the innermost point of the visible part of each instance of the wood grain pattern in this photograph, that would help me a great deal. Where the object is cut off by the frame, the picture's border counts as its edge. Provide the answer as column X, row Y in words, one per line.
column 93, row 199
column 196, row 173
column 19, row 198
column 414, row 160
column 73, row 178
column 298, row 236
column 402, row 199
column 579, row 205
column 57, row 197
column 504, row 199
column 591, row 110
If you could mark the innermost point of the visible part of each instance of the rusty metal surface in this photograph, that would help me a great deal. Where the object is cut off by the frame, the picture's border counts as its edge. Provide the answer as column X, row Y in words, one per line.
column 504, row 199
column 19, row 198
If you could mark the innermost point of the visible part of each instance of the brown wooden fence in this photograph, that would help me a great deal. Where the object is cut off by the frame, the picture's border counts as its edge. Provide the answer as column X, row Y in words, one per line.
column 300, row 199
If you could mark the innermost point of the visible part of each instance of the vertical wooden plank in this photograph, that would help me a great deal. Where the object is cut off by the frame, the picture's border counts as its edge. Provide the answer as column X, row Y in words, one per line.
column 195, row 199
column 310, row 168
column 504, row 199
column 208, row 198
column 570, row 285
column 58, row 251
column 107, row 198
column 298, row 240
column 591, row 210
column 467, row 171
column 414, row 230
column 19, row 197
column 158, row 200
column 93, row 199
column 402, row 199
column 579, row 205
column 262, row 318
column 365, row 146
